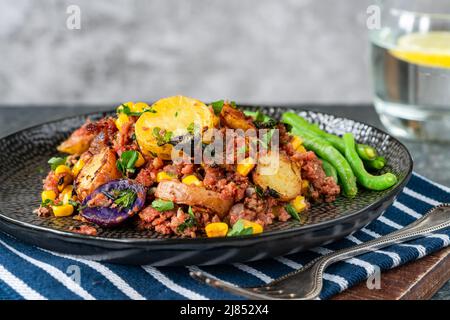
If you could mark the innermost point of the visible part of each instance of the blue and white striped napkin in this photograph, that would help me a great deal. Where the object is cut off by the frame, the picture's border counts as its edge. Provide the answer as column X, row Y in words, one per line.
column 27, row 272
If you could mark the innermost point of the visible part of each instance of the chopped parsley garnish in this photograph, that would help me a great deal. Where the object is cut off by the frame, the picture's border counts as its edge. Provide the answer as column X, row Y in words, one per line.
column 73, row 203
column 263, row 121
column 123, row 108
column 217, row 106
column 125, row 198
column 161, row 139
column 56, row 161
column 233, row 104
column 272, row 193
column 192, row 128
column 47, row 202
column 239, row 229
column 127, row 161
column 176, row 114
column 293, row 213
column 259, row 191
column 162, row 205
column 189, row 222
column 267, row 138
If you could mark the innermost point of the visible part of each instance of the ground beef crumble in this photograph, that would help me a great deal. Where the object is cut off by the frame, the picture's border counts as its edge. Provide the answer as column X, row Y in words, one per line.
column 84, row 229
column 323, row 187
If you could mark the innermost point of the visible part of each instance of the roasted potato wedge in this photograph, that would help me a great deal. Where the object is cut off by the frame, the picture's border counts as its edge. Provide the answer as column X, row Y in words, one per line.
column 78, row 142
column 176, row 115
column 100, row 169
column 278, row 173
column 193, row 196
column 235, row 118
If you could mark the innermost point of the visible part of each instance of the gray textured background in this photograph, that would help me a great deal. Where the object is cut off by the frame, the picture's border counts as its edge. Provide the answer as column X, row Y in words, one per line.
column 259, row 51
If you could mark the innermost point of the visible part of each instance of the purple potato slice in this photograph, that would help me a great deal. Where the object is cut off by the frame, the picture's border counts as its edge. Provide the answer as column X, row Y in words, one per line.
column 107, row 216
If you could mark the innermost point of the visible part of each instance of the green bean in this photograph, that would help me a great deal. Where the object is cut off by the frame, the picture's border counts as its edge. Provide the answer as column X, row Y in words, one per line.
column 365, row 151
column 377, row 164
column 330, row 171
column 367, row 180
column 326, row 151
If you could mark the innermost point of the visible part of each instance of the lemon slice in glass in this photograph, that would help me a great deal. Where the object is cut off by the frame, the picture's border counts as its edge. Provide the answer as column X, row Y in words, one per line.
column 430, row 49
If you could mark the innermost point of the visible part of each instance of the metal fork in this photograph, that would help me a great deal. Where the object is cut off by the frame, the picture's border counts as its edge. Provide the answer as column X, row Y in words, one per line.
column 306, row 283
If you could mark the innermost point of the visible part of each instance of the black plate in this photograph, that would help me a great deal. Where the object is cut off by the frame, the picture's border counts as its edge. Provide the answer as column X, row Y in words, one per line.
column 22, row 155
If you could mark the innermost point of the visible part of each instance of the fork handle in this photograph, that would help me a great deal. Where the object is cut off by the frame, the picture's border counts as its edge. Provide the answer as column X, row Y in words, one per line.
column 436, row 219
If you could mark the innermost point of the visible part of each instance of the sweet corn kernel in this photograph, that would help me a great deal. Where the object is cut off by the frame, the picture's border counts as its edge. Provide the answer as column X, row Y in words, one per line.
column 245, row 166
column 140, row 161
column 121, row 120
column 305, row 186
column 296, row 142
column 299, row 204
column 63, row 210
column 67, row 194
column 257, row 228
column 139, row 107
column 216, row 229
column 48, row 195
column 66, row 179
column 191, row 179
column 163, row 176
column 77, row 167
column 63, row 169
column 301, row 149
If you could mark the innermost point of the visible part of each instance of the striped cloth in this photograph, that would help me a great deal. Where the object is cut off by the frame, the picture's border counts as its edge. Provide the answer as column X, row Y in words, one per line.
column 28, row 272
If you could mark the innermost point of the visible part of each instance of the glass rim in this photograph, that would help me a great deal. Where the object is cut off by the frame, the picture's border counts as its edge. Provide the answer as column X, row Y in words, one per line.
column 438, row 16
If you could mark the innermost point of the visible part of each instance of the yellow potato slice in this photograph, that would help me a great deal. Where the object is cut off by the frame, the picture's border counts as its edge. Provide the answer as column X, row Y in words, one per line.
column 175, row 114
column 277, row 172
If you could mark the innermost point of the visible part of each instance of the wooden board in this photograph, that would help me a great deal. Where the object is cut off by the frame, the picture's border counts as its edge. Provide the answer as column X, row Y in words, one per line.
column 417, row 280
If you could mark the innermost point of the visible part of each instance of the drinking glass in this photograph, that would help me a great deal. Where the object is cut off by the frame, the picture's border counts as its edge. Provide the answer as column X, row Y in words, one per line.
column 410, row 57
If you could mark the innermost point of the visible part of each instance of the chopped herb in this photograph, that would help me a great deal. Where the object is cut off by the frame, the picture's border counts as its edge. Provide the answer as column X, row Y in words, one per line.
column 271, row 123
column 162, row 139
column 127, row 161
column 56, row 161
column 125, row 198
column 176, row 114
column 192, row 128
column 47, row 202
column 189, row 222
column 259, row 191
column 133, row 137
column 272, row 193
column 123, row 108
column 239, row 229
column 263, row 121
column 290, row 209
column 267, row 138
column 259, row 117
column 217, row 106
column 233, row 104
column 162, row 205
column 73, row 203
